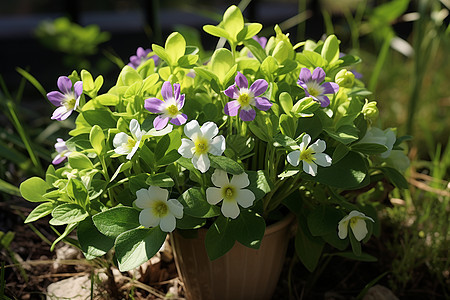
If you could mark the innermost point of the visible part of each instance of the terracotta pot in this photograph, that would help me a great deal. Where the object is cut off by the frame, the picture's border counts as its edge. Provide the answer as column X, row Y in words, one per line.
column 242, row 273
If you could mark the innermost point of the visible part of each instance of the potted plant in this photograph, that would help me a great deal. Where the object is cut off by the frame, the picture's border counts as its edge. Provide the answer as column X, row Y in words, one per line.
column 224, row 148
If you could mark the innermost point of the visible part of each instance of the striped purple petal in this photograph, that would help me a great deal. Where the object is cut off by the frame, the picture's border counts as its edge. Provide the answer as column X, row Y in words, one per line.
column 64, row 84
column 330, row 87
column 241, row 81
column 78, row 88
column 180, row 102
column 232, row 108
column 262, row 103
column 232, row 92
column 154, row 105
column 259, row 87
column 176, row 90
column 247, row 115
column 166, row 90
column 323, row 100
column 160, row 122
column 318, row 75
column 56, row 98
column 179, row 120
column 305, row 75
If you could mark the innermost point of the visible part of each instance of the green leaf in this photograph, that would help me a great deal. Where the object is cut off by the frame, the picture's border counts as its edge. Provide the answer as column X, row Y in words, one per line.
column 281, row 140
column 128, row 76
column 288, row 125
column 161, row 53
column 395, row 177
column 249, row 31
column 78, row 160
column 175, row 47
column 149, row 82
column 356, row 246
column 195, row 204
column 305, row 106
column 102, row 118
column 349, row 172
column 116, row 220
column 311, row 59
column 161, row 180
column 369, row 148
column 281, row 52
column 219, row 238
column 233, row 22
column 188, row 61
column 188, row 222
column 88, row 81
column 68, row 213
column 258, row 51
column 34, row 188
column 97, row 139
column 136, row 246
column 323, row 220
column 286, row 102
column 249, row 228
column 221, row 62
column 344, row 134
column 363, row 257
column 170, row 157
column 330, row 49
column 308, row 248
column 107, row 99
column 226, row 164
column 339, row 152
column 77, row 191
column 67, row 231
column 40, row 211
column 259, row 184
column 92, row 242
column 216, row 31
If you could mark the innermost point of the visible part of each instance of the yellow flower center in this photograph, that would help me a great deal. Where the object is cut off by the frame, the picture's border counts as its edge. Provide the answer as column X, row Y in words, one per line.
column 172, row 110
column 130, row 143
column 307, row 155
column 69, row 103
column 313, row 92
column 201, row 146
column 228, row 193
column 160, row 208
column 244, row 99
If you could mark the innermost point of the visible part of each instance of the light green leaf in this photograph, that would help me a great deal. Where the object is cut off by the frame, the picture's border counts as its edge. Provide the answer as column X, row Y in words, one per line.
column 97, row 139
column 77, row 191
column 136, row 246
column 311, row 59
column 88, row 81
column 116, row 220
column 78, row 160
column 161, row 180
column 221, row 62
column 161, row 53
column 330, row 49
column 256, row 49
column 149, row 82
column 67, row 231
column 129, row 76
column 34, row 188
column 188, row 61
column 40, row 211
column 269, row 66
column 216, row 31
column 195, row 204
column 226, row 164
column 233, row 22
column 107, row 99
column 68, row 213
column 92, row 242
column 175, row 47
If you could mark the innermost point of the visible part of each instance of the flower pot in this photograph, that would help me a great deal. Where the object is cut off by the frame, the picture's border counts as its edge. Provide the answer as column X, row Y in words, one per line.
column 242, row 273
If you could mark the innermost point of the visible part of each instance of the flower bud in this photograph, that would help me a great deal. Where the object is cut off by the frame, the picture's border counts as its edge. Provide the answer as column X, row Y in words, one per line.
column 370, row 110
column 345, row 78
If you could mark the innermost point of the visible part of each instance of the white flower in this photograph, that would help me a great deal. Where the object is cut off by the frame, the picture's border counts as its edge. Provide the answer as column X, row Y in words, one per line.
column 203, row 140
column 357, row 224
column 311, row 156
column 125, row 144
column 157, row 210
column 385, row 137
column 232, row 193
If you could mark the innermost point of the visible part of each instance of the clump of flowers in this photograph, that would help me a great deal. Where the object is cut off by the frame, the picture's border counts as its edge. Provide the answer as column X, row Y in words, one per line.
column 237, row 142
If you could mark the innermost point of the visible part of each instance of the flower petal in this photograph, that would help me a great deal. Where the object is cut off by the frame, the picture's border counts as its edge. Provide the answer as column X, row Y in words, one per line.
column 232, row 108
column 318, row 75
column 192, row 128
column 154, row 105
column 186, row 147
column 220, row 178
column 311, row 168
column 61, row 113
column 180, row 102
column 56, row 98
column 157, row 193
column 262, row 103
column 293, row 158
column 245, row 198
column 323, row 100
column 359, row 229
column 306, row 139
column 160, row 122
column 168, row 223
column 247, row 115
column 259, row 87
column 143, row 199
column 232, row 91
column 120, row 138
column 64, row 84
column 330, row 87
column 148, row 219
column 166, row 90
column 240, row 181
column 179, row 120
column 305, row 75
column 201, row 162
column 217, row 145
column 343, row 229
column 135, row 129
column 213, row 195
column 78, row 88
column 322, row 159
column 241, row 80
column 319, row 146
column 230, row 209
column 209, row 130
column 58, row 159
column 175, row 208
column 133, row 150
column 176, row 90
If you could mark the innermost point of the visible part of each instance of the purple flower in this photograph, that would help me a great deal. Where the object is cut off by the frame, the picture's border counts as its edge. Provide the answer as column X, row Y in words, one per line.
column 68, row 100
column 169, row 108
column 246, row 98
column 313, row 88
column 140, row 57
column 63, row 151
